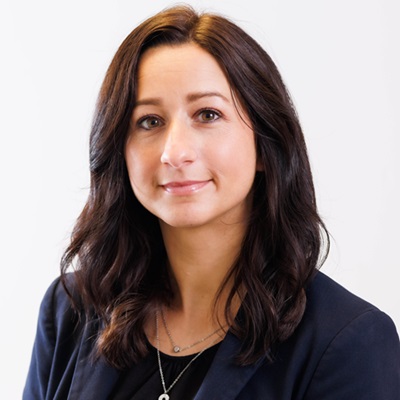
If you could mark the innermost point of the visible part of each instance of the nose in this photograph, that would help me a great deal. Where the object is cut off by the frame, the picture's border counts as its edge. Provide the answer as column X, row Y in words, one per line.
column 179, row 147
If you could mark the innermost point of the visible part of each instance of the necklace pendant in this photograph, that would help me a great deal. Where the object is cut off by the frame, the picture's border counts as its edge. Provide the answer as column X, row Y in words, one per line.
column 163, row 397
column 177, row 349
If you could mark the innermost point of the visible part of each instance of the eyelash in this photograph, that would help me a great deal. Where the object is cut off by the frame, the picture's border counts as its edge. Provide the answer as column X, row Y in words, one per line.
column 145, row 118
column 217, row 114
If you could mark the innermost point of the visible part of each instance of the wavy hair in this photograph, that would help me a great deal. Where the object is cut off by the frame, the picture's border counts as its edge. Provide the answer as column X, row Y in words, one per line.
column 116, row 246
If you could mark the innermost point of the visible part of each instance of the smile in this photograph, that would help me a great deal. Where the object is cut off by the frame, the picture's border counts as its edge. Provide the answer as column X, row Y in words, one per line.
column 184, row 187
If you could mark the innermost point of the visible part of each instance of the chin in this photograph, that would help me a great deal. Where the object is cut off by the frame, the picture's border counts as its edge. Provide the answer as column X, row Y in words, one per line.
column 186, row 219
column 182, row 223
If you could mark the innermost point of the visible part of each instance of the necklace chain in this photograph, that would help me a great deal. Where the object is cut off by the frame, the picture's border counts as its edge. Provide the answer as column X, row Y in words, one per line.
column 165, row 395
column 179, row 349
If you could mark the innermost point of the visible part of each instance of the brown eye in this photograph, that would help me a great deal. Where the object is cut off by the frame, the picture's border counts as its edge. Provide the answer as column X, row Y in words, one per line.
column 208, row 115
column 149, row 122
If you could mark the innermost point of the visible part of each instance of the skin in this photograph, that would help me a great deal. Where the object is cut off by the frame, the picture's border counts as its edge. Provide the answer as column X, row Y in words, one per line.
column 191, row 159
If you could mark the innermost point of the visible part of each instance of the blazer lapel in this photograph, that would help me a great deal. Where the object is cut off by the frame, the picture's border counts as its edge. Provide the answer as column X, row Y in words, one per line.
column 225, row 379
column 93, row 379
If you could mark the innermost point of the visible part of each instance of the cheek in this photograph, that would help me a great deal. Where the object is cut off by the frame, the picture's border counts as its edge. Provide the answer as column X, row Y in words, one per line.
column 242, row 154
column 233, row 146
column 142, row 168
column 136, row 167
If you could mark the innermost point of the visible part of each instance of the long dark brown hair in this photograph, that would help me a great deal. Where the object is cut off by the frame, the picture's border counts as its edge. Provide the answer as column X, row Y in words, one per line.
column 117, row 249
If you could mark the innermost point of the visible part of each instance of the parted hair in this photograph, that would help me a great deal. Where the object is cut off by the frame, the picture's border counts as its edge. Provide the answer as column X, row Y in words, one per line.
column 116, row 247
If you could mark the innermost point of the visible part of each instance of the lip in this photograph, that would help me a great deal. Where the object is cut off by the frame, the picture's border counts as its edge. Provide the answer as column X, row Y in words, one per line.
column 184, row 187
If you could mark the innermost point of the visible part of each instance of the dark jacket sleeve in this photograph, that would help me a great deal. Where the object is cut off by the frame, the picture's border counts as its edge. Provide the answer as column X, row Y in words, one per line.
column 54, row 347
column 362, row 362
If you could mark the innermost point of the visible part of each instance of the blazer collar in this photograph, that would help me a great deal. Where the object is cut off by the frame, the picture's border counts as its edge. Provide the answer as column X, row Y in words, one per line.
column 225, row 379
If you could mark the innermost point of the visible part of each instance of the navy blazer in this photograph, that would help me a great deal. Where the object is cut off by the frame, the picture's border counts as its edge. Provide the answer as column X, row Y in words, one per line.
column 343, row 349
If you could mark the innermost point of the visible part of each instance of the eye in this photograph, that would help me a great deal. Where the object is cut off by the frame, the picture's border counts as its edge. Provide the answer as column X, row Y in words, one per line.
column 208, row 115
column 149, row 122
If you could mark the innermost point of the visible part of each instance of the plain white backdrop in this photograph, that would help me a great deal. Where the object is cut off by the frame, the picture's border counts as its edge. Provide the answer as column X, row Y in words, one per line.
column 340, row 60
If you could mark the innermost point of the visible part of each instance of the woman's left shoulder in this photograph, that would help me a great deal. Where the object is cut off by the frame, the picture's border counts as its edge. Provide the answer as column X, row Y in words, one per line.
column 343, row 348
column 331, row 306
column 353, row 347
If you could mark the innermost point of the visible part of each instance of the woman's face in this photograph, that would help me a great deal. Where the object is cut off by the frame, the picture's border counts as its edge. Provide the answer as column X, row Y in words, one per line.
column 191, row 157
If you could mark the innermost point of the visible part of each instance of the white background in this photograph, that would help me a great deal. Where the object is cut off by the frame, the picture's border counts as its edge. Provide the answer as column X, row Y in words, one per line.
column 340, row 60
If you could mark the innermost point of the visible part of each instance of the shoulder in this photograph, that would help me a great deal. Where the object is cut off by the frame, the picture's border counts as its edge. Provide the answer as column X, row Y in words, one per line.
column 58, row 336
column 60, row 296
column 333, row 306
column 348, row 340
column 61, row 316
column 334, row 315
column 344, row 348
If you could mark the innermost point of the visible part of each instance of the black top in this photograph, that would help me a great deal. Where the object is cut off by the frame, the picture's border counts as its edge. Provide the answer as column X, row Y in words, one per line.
column 143, row 380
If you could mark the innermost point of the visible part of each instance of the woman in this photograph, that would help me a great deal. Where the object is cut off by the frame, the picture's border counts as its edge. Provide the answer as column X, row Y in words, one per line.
column 196, row 254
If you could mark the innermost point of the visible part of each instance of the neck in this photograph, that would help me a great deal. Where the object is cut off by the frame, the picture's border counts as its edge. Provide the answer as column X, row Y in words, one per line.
column 200, row 260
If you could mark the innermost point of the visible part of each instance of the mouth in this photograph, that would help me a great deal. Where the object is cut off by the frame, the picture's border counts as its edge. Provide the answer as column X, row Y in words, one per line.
column 184, row 187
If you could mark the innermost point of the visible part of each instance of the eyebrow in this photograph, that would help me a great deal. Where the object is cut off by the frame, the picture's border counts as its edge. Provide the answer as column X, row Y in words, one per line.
column 191, row 97
column 199, row 95
column 146, row 102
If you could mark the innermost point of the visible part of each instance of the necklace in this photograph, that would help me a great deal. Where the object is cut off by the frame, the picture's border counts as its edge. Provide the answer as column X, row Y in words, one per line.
column 179, row 349
column 165, row 395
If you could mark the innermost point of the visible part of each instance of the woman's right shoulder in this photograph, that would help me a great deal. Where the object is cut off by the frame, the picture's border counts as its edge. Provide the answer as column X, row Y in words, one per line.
column 62, row 290
column 62, row 329
column 61, row 304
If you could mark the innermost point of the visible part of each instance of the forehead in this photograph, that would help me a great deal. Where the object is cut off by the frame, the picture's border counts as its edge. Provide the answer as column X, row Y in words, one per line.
column 176, row 68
